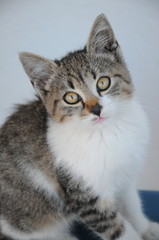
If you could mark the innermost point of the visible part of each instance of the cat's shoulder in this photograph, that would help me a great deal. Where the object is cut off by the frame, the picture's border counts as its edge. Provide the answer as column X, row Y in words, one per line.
column 26, row 118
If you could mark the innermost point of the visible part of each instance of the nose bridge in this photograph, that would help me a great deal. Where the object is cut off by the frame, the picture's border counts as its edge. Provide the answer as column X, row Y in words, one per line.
column 91, row 103
column 93, row 106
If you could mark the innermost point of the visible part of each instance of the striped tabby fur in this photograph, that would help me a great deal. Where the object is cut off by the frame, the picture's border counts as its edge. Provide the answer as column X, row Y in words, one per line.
column 65, row 166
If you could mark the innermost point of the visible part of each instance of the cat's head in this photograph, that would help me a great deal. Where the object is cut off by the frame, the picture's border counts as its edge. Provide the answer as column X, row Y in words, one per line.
column 90, row 85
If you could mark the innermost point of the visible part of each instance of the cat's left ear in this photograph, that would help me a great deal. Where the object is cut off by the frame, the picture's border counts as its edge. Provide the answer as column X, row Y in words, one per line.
column 41, row 72
column 101, row 38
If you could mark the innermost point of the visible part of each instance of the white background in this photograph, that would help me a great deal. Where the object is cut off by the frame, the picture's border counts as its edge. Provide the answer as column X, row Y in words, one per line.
column 52, row 28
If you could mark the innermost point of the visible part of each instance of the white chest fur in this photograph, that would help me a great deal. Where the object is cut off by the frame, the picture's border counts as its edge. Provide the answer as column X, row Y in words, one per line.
column 107, row 157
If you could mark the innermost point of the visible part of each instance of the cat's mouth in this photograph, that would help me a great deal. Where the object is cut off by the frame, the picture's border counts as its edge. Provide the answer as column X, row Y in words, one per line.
column 98, row 119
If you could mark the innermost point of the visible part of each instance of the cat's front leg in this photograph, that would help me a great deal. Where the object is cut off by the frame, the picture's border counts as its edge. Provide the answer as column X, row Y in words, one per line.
column 152, row 232
column 130, row 206
column 129, row 233
column 110, row 225
column 100, row 216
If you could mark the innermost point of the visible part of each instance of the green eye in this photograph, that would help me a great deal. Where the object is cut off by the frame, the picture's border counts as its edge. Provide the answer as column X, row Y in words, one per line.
column 71, row 98
column 103, row 83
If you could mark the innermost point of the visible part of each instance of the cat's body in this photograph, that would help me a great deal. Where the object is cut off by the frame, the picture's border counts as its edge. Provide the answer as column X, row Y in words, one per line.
column 73, row 158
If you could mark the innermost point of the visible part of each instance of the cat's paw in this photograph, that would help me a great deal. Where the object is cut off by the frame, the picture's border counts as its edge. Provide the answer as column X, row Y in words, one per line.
column 130, row 233
column 152, row 232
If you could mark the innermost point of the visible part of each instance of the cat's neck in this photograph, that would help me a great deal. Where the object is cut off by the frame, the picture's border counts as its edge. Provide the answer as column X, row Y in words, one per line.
column 99, row 154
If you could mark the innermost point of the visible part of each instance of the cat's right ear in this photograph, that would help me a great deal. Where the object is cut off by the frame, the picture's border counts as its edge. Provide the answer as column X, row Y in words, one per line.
column 40, row 71
column 101, row 39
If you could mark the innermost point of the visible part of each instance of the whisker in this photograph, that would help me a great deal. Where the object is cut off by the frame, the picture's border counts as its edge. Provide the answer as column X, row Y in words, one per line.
column 131, row 123
column 152, row 109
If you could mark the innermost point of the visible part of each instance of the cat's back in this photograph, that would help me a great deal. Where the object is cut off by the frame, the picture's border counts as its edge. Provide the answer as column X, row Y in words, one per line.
column 23, row 136
column 28, row 117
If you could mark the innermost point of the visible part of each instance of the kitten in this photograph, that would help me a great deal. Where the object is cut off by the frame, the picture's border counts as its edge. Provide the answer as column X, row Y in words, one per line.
column 69, row 160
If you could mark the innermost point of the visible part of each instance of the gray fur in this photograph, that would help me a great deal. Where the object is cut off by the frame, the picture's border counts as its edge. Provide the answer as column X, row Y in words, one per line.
column 23, row 138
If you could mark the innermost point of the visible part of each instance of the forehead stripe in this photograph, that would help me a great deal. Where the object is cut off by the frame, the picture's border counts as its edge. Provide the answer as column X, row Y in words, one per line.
column 73, row 76
column 80, row 77
column 93, row 73
column 70, row 83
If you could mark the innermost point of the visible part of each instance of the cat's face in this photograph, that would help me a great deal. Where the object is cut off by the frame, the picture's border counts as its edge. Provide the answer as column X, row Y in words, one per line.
column 91, row 86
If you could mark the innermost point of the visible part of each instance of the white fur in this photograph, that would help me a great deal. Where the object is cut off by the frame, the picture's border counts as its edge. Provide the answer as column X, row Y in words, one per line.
column 130, row 207
column 39, row 180
column 152, row 232
column 107, row 155
column 129, row 234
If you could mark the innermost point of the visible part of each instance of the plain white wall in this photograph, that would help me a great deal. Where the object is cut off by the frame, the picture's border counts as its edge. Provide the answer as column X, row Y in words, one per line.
column 52, row 28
